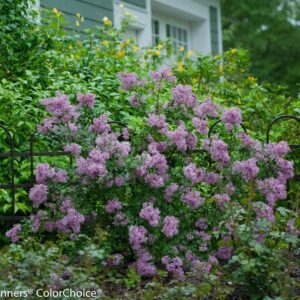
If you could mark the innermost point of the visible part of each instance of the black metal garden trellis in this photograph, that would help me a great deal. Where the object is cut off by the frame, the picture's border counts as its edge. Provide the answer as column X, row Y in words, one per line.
column 12, row 154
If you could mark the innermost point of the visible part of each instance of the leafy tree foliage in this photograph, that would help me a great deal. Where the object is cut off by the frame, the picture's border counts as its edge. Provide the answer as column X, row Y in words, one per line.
column 270, row 31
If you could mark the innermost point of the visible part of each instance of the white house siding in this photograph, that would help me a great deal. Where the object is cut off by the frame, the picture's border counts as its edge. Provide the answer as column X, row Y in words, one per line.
column 192, row 16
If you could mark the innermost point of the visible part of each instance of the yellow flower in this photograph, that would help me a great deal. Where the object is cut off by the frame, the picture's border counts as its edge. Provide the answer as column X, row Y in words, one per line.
column 251, row 78
column 194, row 80
column 105, row 43
column 159, row 46
column 107, row 21
column 180, row 67
column 181, row 49
column 233, row 51
column 77, row 23
column 190, row 53
column 78, row 15
column 56, row 12
column 149, row 51
column 157, row 52
column 135, row 48
column 120, row 54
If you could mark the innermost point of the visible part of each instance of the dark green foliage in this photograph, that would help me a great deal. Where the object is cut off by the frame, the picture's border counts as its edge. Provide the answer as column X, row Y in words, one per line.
column 266, row 28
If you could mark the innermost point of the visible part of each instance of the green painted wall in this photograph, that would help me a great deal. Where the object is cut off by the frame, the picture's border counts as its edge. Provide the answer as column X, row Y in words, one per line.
column 140, row 3
column 93, row 11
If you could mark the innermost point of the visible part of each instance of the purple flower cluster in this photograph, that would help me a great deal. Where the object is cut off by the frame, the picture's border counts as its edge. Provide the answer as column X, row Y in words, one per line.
column 231, row 117
column 224, row 252
column 273, row 188
column 137, row 237
column 113, row 206
column 170, row 227
column 144, row 265
column 206, row 109
column 264, row 211
column 60, row 107
column 169, row 192
column 100, row 125
column 154, row 169
column 70, row 222
column 200, row 125
column 192, row 198
column 157, row 121
column 13, row 233
column 246, row 168
column 174, row 266
column 182, row 94
column 45, row 173
column 38, row 194
column 73, row 148
column 165, row 74
column 196, row 175
column 221, row 199
column 151, row 214
column 217, row 149
column 276, row 150
column 128, row 80
column 182, row 138
column 86, row 100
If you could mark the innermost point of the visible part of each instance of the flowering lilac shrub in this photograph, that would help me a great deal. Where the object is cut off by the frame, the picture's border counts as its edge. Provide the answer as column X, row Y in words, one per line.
column 169, row 196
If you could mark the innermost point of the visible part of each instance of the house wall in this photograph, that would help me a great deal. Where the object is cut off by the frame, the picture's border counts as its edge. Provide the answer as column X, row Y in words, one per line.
column 194, row 16
column 93, row 11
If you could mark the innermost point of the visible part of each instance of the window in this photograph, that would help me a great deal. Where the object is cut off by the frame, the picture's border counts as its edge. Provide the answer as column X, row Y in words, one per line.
column 178, row 36
column 155, row 32
column 214, row 32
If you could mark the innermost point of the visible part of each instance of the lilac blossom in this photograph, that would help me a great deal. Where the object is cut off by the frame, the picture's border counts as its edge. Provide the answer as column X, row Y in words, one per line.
column 100, row 125
column 231, row 117
column 182, row 94
column 169, row 192
column 170, row 227
column 60, row 107
column 192, row 198
column 157, row 121
column 71, row 222
column 137, row 236
column 276, row 150
column 143, row 264
column 165, row 74
column 273, row 188
column 38, row 194
column 113, row 206
column 246, row 168
column 128, row 80
column 174, row 266
column 221, row 199
column 206, row 109
column 86, row 99
column 151, row 214
column 200, row 125
column 224, row 252
column 13, row 233
column 73, row 148
column 217, row 149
